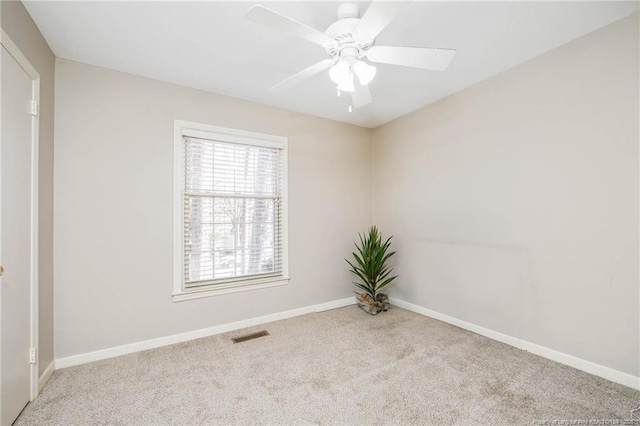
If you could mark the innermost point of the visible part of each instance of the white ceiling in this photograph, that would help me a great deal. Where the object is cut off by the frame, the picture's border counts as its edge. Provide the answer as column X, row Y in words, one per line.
column 209, row 46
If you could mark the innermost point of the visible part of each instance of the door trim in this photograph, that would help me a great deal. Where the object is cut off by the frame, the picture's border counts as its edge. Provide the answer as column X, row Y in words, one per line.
column 22, row 60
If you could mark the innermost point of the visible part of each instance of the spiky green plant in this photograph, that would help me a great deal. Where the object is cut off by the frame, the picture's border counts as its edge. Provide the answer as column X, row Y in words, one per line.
column 370, row 263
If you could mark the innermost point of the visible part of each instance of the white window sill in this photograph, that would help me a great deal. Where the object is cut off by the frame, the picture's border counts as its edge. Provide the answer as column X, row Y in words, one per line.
column 233, row 287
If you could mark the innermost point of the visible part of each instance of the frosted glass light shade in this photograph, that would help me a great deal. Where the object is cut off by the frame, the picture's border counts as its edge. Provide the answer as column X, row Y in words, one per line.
column 340, row 73
column 364, row 71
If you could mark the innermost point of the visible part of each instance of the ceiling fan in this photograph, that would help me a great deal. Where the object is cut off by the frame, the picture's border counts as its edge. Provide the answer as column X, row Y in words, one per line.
column 348, row 42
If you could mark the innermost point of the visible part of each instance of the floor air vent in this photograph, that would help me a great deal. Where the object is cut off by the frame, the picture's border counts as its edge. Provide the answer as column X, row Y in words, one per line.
column 250, row 336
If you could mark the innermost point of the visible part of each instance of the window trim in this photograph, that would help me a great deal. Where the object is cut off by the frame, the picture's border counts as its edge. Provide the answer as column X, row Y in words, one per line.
column 186, row 128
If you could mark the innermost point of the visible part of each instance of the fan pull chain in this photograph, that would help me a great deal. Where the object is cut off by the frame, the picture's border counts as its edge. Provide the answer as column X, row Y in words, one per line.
column 350, row 108
column 338, row 93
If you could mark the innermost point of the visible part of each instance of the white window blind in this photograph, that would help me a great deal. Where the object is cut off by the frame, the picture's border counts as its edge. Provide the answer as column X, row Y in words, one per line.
column 232, row 211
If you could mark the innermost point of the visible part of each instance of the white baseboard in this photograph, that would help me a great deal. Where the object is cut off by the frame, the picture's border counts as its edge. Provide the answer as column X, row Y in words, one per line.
column 46, row 375
column 335, row 304
column 570, row 360
column 196, row 334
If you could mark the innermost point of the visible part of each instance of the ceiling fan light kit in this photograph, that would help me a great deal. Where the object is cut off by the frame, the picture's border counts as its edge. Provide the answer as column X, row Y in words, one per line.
column 343, row 71
column 348, row 42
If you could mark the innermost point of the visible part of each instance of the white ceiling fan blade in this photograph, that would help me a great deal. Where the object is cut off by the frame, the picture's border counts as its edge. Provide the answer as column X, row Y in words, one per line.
column 361, row 96
column 303, row 75
column 416, row 57
column 273, row 19
column 377, row 17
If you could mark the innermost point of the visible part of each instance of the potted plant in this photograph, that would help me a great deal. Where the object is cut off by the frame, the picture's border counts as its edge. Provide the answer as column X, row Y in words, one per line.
column 373, row 274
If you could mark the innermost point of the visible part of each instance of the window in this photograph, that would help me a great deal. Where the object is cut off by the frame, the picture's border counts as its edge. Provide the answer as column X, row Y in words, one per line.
column 230, row 208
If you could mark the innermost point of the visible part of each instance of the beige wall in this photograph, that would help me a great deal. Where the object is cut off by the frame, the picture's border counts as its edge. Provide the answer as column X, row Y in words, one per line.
column 514, row 203
column 113, row 209
column 19, row 26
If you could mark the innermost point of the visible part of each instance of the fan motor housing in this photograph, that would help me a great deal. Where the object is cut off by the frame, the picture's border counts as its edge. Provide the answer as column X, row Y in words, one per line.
column 345, row 39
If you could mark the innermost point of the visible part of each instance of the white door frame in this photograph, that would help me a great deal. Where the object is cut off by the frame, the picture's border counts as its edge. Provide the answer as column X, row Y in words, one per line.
column 22, row 60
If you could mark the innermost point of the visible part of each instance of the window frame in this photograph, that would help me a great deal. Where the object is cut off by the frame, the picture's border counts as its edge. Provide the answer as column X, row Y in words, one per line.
column 233, row 136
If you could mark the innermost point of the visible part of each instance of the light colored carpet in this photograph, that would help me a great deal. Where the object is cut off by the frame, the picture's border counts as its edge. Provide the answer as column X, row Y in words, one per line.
column 336, row 367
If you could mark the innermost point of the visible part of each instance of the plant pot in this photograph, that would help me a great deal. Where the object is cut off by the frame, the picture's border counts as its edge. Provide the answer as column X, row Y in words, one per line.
column 370, row 306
